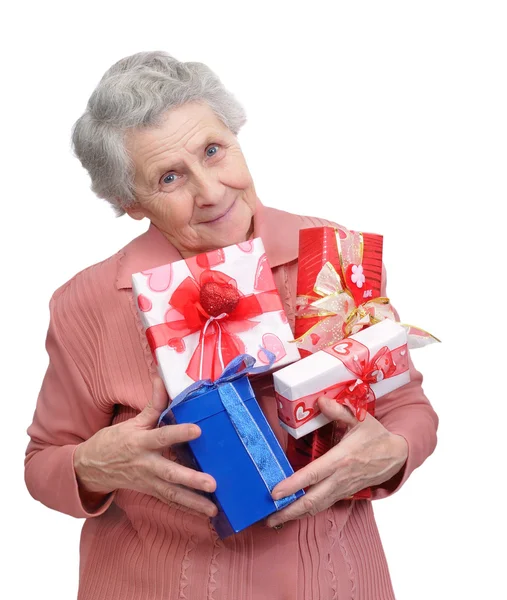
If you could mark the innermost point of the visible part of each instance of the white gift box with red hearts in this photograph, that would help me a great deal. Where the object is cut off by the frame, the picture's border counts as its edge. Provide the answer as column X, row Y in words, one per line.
column 356, row 371
column 201, row 312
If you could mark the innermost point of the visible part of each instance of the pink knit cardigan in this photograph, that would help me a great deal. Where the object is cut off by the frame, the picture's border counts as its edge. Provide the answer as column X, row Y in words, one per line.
column 136, row 547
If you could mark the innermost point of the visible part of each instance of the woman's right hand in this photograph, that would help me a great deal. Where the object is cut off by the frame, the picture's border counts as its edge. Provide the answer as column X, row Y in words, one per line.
column 129, row 455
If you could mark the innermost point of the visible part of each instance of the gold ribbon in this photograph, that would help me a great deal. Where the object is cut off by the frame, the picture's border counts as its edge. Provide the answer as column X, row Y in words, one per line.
column 340, row 317
column 338, row 311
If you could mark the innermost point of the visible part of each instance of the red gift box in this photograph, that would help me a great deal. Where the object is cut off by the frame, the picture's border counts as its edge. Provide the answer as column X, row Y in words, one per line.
column 339, row 286
column 339, row 293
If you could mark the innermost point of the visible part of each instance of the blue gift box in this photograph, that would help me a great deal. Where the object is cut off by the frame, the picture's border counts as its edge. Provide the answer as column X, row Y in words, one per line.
column 237, row 447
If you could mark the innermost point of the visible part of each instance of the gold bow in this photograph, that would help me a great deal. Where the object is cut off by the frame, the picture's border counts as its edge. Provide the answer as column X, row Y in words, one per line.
column 338, row 313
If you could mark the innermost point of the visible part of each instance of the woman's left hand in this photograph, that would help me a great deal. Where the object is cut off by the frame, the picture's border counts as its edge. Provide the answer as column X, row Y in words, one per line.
column 367, row 455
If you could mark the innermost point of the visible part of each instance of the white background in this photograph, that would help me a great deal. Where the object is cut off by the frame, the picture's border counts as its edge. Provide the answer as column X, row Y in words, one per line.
column 384, row 116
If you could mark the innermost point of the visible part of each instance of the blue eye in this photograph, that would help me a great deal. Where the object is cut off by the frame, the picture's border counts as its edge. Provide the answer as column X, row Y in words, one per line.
column 214, row 147
column 167, row 178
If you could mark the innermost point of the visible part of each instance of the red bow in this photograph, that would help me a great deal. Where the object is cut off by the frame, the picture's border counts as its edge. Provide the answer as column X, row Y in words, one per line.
column 225, row 313
column 357, row 393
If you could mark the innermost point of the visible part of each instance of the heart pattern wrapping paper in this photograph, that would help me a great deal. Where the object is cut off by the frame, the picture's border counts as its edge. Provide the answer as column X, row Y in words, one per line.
column 201, row 312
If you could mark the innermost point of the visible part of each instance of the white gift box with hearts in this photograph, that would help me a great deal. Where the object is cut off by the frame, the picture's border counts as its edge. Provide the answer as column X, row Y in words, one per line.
column 356, row 371
column 199, row 313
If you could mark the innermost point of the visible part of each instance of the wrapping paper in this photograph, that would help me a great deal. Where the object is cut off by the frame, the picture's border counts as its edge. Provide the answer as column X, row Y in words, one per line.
column 202, row 312
column 339, row 286
column 355, row 371
column 339, row 294
column 237, row 447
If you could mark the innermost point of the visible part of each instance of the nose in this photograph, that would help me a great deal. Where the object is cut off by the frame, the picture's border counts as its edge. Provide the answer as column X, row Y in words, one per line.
column 209, row 190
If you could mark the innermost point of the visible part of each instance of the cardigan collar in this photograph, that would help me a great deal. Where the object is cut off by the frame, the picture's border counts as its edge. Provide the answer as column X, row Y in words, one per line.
column 278, row 230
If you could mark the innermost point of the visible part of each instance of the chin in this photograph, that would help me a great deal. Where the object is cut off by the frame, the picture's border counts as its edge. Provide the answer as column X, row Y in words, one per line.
column 238, row 234
column 224, row 241
column 232, row 233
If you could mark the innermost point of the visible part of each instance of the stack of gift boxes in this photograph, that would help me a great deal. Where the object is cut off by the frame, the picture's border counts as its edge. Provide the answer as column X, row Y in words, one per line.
column 215, row 320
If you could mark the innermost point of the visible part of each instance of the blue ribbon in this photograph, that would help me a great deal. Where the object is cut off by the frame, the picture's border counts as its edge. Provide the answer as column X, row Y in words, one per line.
column 247, row 429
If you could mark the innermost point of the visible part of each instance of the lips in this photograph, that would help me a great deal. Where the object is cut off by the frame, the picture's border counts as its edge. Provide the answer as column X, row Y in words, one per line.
column 220, row 216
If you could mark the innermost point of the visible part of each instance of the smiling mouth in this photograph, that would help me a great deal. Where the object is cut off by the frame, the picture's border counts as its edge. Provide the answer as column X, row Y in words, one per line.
column 221, row 216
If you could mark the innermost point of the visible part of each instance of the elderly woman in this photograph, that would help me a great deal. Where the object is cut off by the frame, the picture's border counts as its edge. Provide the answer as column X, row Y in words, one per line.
column 159, row 140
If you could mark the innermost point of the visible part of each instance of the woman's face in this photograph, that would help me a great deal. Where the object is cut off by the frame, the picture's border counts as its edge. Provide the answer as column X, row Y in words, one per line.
column 192, row 181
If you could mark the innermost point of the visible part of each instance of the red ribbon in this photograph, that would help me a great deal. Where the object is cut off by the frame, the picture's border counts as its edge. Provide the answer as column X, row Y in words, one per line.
column 357, row 393
column 218, row 342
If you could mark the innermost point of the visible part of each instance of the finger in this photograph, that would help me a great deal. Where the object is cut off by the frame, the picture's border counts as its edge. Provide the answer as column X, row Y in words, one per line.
column 173, row 494
column 304, row 507
column 317, row 499
column 148, row 417
column 290, row 513
column 310, row 475
column 168, row 435
column 336, row 412
column 172, row 472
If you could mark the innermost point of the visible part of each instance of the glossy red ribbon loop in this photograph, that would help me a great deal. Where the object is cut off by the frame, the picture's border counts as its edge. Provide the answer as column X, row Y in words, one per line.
column 357, row 393
column 358, row 396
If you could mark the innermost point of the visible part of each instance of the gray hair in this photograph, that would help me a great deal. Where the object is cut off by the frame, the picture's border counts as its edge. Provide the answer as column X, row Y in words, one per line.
column 136, row 92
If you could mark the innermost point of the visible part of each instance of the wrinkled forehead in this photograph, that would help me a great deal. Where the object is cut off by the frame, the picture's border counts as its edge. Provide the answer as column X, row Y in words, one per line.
column 176, row 140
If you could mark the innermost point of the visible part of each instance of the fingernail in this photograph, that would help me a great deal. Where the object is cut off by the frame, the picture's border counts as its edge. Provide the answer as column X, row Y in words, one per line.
column 277, row 495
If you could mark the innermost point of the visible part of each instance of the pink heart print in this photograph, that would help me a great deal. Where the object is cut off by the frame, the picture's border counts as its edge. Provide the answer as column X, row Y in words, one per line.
column 177, row 344
column 211, row 259
column 301, row 414
column 144, row 303
column 159, row 279
column 342, row 348
column 284, row 410
column 263, row 276
column 315, row 337
column 272, row 343
column 246, row 246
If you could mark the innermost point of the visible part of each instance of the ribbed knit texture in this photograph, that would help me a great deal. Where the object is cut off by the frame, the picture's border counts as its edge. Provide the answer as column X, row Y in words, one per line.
column 138, row 548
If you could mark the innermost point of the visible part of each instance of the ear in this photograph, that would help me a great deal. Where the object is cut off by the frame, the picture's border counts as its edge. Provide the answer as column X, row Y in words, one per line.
column 135, row 211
